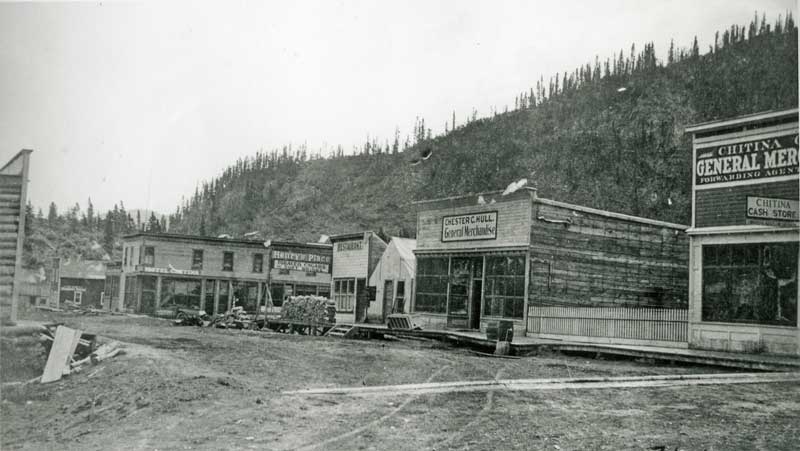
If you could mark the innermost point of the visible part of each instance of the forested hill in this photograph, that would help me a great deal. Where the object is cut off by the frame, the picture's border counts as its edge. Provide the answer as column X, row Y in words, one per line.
column 607, row 135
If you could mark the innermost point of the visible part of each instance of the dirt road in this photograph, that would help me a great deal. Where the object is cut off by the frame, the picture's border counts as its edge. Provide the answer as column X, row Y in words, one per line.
column 188, row 388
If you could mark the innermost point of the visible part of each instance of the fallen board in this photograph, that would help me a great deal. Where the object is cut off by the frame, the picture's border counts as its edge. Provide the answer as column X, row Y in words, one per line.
column 64, row 344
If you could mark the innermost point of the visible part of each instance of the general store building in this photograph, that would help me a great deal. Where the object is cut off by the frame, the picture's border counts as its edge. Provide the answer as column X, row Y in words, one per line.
column 556, row 270
column 744, row 234
column 299, row 269
column 211, row 274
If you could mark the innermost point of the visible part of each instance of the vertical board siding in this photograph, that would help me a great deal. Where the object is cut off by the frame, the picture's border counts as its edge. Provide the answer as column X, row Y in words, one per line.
column 610, row 322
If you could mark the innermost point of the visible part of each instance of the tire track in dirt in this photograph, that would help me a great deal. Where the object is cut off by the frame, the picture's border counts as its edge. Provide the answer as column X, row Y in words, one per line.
column 360, row 429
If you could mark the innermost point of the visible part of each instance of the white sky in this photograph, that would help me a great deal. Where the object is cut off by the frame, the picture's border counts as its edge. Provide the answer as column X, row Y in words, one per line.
column 141, row 101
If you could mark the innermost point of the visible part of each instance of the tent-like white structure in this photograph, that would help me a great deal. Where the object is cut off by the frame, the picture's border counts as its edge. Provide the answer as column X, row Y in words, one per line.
column 393, row 279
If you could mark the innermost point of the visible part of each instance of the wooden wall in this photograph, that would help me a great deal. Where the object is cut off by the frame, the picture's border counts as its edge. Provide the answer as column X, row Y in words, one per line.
column 585, row 259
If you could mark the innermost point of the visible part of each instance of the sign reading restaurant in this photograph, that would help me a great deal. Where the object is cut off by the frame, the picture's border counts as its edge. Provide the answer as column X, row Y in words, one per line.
column 771, row 208
column 301, row 261
column 747, row 161
column 468, row 227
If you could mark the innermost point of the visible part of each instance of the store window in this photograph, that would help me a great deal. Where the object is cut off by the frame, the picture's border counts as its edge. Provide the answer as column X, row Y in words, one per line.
column 130, row 297
column 505, row 287
column 276, row 292
column 432, row 285
column 344, row 294
column 180, row 293
column 125, row 256
column 227, row 261
column 197, row 259
column 149, row 256
column 258, row 262
column 750, row 283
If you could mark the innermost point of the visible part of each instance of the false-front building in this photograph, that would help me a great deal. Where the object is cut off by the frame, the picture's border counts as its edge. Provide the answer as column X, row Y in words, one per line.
column 744, row 234
column 556, row 270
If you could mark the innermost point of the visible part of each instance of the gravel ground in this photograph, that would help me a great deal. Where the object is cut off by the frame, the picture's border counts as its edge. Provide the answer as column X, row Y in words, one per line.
column 189, row 388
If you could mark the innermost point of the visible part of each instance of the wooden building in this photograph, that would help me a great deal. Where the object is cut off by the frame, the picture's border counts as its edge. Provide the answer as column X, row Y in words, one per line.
column 299, row 269
column 554, row 269
column 393, row 279
column 82, row 282
column 355, row 256
column 744, row 235
column 161, row 270
column 13, row 197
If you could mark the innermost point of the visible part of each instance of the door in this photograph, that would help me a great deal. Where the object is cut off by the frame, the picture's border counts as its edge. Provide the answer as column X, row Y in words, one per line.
column 388, row 296
column 475, row 303
column 362, row 300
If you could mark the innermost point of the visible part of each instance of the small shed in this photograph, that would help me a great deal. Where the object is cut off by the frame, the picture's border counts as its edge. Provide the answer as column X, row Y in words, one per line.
column 83, row 282
column 393, row 279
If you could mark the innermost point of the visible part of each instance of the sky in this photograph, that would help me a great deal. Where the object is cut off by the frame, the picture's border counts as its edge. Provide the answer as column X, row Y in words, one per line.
column 139, row 102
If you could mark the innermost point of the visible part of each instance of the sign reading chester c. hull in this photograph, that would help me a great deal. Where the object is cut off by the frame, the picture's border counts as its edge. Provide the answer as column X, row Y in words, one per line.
column 468, row 227
column 747, row 161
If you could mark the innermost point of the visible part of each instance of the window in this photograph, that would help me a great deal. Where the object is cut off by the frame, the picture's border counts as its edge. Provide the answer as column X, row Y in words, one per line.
column 750, row 283
column 258, row 262
column 505, row 287
column 208, row 307
column 149, row 256
column 197, row 259
column 344, row 294
column 432, row 285
column 125, row 256
column 227, row 261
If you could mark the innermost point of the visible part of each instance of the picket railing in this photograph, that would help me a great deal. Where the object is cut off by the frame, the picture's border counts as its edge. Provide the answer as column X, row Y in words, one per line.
column 610, row 322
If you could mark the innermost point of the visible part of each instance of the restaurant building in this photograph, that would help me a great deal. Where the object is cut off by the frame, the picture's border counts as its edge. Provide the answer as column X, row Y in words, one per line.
column 162, row 270
column 355, row 256
column 556, row 270
column 744, row 235
column 299, row 269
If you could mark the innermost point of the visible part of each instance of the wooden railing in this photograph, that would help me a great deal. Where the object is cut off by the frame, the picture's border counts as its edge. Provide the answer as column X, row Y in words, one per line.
column 627, row 323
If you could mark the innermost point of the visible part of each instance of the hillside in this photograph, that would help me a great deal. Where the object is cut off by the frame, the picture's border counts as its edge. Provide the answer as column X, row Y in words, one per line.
column 606, row 135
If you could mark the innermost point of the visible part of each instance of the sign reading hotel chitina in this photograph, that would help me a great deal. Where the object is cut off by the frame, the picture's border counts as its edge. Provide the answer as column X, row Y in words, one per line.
column 765, row 158
column 473, row 226
column 770, row 208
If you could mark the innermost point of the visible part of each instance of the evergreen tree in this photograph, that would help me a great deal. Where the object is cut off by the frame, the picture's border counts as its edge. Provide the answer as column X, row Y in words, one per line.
column 90, row 215
column 52, row 214
column 153, row 225
column 108, row 234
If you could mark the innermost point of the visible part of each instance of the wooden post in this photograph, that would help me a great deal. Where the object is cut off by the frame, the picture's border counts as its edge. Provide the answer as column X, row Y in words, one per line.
column 216, row 296
column 158, row 291
column 202, row 294
column 230, row 294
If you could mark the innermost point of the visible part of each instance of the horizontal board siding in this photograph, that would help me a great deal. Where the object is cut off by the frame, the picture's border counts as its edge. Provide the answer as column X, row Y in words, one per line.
column 728, row 206
column 612, row 322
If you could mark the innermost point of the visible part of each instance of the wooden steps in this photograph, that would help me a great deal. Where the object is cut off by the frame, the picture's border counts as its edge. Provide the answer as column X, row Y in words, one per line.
column 341, row 330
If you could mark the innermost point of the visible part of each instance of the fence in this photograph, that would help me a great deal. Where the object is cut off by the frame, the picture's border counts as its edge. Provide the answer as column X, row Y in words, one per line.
column 648, row 324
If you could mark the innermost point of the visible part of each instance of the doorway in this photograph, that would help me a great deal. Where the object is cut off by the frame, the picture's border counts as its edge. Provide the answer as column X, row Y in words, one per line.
column 475, row 303
column 388, row 297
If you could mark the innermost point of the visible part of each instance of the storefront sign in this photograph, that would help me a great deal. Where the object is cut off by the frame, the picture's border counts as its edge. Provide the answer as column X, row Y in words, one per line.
column 473, row 226
column 343, row 246
column 72, row 288
column 771, row 208
column 181, row 272
column 301, row 261
column 301, row 266
column 748, row 160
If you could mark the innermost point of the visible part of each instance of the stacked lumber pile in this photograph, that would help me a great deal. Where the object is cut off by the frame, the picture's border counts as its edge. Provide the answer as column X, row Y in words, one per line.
column 309, row 309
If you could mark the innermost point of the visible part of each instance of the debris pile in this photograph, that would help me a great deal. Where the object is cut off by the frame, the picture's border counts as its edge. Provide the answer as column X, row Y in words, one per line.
column 309, row 309
column 68, row 344
column 235, row 318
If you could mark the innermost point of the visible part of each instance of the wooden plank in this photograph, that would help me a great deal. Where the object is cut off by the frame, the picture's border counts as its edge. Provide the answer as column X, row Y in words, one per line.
column 64, row 344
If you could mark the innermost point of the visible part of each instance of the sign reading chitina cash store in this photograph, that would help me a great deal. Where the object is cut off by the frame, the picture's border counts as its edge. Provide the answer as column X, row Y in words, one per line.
column 468, row 227
column 301, row 261
column 771, row 208
column 747, row 161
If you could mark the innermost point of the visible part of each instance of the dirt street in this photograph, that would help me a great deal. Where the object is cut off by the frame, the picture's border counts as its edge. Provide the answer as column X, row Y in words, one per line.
column 180, row 388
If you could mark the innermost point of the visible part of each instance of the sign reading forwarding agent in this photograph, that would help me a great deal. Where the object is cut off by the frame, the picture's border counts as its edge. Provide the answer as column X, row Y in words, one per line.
column 469, row 227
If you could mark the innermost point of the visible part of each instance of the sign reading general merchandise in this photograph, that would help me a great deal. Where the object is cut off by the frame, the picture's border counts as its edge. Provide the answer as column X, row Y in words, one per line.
column 771, row 208
column 747, row 161
column 301, row 261
column 468, row 227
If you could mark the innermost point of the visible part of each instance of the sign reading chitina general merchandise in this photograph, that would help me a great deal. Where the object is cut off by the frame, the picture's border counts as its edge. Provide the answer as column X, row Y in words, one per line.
column 771, row 208
column 472, row 226
column 747, row 160
column 301, row 261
